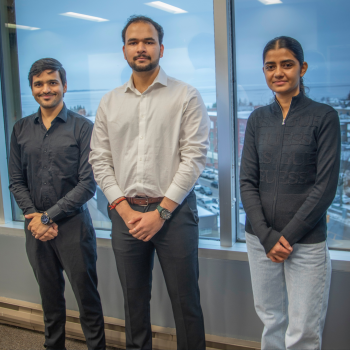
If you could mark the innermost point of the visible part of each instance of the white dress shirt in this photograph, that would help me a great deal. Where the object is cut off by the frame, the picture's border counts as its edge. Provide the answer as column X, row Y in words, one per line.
column 152, row 144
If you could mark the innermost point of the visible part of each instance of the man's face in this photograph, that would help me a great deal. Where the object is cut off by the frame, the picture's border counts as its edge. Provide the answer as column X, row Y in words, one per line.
column 142, row 49
column 47, row 89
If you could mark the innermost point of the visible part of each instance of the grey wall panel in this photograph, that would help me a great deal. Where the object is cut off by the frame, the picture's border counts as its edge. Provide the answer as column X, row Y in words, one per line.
column 17, row 280
column 336, row 335
column 227, row 299
column 226, row 294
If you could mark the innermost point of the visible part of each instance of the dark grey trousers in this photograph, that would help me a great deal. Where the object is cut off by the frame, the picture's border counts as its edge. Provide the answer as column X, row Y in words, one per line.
column 177, row 249
column 73, row 250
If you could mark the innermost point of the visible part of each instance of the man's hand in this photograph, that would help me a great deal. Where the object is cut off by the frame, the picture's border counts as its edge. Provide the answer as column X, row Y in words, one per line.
column 35, row 225
column 148, row 225
column 51, row 233
column 126, row 213
column 39, row 229
column 280, row 251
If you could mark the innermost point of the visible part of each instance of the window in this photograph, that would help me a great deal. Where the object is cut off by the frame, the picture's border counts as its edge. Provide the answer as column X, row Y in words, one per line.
column 91, row 53
column 321, row 28
column 90, row 49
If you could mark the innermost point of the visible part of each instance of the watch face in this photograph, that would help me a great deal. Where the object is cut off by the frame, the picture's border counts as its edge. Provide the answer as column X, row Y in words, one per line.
column 45, row 219
column 165, row 214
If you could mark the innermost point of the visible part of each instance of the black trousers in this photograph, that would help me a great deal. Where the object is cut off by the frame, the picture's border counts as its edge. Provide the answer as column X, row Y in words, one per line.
column 177, row 249
column 73, row 250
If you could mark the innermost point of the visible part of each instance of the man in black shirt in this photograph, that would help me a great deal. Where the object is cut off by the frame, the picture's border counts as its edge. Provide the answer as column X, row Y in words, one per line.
column 51, row 180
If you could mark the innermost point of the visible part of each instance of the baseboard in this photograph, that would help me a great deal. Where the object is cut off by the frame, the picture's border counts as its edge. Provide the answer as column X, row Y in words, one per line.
column 29, row 315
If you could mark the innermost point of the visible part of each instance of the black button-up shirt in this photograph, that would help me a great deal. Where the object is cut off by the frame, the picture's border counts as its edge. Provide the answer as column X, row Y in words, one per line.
column 49, row 169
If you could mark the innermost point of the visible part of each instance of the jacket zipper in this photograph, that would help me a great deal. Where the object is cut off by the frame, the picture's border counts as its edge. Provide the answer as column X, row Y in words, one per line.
column 279, row 163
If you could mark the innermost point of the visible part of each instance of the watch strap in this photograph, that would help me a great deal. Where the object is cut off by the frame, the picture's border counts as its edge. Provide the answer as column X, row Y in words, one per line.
column 162, row 210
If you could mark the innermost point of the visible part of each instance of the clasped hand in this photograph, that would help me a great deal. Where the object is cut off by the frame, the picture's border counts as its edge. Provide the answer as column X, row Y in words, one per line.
column 280, row 251
column 39, row 230
column 144, row 226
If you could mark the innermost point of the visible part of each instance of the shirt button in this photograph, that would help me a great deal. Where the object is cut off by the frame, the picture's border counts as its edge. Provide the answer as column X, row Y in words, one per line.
column 140, row 158
column 141, row 137
column 47, row 135
column 44, row 183
column 45, row 150
column 44, row 167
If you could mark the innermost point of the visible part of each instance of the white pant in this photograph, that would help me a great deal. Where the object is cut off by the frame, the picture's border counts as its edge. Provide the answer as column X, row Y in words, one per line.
column 291, row 298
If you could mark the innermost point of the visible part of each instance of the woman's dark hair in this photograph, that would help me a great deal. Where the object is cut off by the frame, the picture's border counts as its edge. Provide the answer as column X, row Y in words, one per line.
column 46, row 64
column 286, row 42
column 136, row 19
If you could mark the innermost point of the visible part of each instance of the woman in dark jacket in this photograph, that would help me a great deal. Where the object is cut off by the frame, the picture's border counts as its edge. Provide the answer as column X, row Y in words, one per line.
column 289, row 174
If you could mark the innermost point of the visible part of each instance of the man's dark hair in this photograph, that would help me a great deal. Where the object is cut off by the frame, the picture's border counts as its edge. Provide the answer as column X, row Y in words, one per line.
column 136, row 19
column 46, row 64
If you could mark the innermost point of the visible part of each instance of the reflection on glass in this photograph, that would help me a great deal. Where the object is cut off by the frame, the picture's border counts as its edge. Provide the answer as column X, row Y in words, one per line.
column 321, row 30
column 89, row 45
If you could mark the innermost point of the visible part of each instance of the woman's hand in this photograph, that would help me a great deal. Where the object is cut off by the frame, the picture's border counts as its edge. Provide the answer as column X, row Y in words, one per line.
column 280, row 251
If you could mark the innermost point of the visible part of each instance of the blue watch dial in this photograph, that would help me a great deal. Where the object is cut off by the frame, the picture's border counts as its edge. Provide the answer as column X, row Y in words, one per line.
column 45, row 219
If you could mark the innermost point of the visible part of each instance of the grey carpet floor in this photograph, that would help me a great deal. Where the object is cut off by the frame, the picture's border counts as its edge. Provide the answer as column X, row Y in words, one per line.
column 15, row 338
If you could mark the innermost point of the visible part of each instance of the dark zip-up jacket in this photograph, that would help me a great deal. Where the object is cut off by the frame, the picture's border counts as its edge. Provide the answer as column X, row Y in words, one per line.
column 289, row 171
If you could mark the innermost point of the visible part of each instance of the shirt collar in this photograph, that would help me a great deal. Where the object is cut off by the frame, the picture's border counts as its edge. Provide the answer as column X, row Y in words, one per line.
column 299, row 101
column 61, row 115
column 161, row 79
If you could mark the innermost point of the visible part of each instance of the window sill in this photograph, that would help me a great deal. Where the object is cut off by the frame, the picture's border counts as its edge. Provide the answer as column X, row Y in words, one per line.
column 207, row 249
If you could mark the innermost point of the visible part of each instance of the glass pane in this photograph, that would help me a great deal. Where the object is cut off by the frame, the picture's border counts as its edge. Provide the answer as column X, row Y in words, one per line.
column 91, row 52
column 321, row 28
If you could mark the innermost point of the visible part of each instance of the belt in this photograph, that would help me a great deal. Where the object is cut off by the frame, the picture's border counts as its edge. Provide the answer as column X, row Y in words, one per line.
column 143, row 201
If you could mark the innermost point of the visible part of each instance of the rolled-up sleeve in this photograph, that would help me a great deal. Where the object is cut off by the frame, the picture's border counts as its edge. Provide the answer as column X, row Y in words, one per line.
column 101, row 157
column 194, row 143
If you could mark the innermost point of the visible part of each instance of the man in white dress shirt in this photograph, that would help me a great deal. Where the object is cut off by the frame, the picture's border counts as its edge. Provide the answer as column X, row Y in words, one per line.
column 149, row 147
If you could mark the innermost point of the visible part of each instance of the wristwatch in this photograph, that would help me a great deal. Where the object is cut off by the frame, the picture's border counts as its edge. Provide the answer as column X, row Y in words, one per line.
column 45, row 219
column 165, row 214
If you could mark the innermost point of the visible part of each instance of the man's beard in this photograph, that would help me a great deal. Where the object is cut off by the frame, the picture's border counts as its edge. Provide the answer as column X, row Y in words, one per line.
column 146, row 68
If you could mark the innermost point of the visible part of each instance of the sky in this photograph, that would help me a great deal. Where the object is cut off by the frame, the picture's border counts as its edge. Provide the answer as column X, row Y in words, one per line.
column 91, row 52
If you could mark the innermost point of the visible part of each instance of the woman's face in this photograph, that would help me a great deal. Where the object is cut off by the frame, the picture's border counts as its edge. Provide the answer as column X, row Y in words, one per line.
column 283, row 71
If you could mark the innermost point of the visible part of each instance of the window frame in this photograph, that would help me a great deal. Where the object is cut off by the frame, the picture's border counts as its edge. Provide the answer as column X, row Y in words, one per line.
column 225, row 98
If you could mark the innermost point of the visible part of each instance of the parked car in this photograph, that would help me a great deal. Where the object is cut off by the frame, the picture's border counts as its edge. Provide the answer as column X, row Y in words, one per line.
column 215, row 209
column 214, row 184
column 205, row 190
column 197, row 187
column 205, row 201
column 215, row 200
column 346, row 199
column 208, row 175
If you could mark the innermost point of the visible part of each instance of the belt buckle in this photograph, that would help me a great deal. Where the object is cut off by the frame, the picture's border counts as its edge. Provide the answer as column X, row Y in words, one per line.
column 145, row 205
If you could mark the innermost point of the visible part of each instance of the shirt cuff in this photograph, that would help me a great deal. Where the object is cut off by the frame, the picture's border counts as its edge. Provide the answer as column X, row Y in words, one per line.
column 176, row 194
column 113, row 193
column 30, row 211
column 56, row 213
